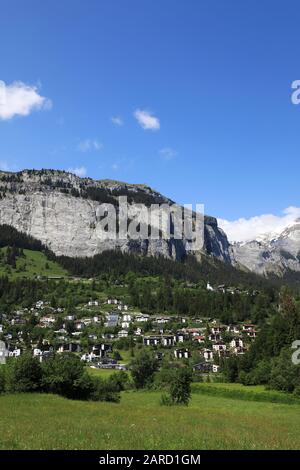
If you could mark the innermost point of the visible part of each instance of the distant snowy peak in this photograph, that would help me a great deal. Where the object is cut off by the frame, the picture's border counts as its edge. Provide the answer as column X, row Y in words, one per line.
column 271, row 252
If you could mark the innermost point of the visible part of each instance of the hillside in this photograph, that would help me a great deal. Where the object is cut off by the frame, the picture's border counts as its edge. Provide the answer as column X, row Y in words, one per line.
column 28, row 263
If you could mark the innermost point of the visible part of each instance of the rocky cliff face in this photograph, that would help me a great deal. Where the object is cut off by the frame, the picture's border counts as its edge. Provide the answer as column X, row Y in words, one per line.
column 274, row 255
column 61, row 210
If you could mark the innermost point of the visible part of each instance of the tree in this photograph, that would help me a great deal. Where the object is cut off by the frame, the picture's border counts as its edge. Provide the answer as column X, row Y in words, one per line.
column 143, row 367
column 65, row 375
column 23, row 374
column 180, row 386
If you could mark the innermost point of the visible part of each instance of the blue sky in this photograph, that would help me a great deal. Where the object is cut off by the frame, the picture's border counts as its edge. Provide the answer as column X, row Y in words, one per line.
column 214, row 77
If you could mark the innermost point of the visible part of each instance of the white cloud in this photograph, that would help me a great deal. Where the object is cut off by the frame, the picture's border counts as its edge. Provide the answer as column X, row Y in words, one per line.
column 117, row 120
column 115, row 166
column 79, row 171
column 168, row 153
column 19, row 99
column 250, row 229
column 88, row 145
column 147, row 120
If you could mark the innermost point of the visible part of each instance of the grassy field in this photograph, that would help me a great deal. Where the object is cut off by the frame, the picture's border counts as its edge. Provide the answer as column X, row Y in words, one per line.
column 32, row 264
column 35, row 421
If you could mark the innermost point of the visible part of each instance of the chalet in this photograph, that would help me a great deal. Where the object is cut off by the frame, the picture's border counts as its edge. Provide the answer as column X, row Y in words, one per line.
column 193, row 331
column 88, row 357
column 3, row 352
column 214, row 337
column 182, row 353
column 69, row 317
column 151, row 340
column 219, row 347
column 252, row 333
column 113, row 302
column 236, row 343
column 15, row 352
column 93, row 337
column 218, row 329
column 202, row 367
column 125, row 324
column 142, row 317
column 69, row 347
column 96, row 319
column 248, row 327
column 112, row 320
column 162, row 320
column 159, row 355
column 127, row 317
column 208, row 354
column 79, row 325
column 233, row 329
column 199, row 339
column 100, row 350
column 47, row 321
column 123, row 334
column 181, row 336
column 167, row 340
column 93, row 303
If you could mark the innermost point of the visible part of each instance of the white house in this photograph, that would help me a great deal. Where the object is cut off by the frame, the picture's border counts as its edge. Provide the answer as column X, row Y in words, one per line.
column 219, row 347
column 142, row 317
column 208, row 354
column 127, row 317
column 15, row 353
column 151, row 340
column 123, row 334
column 93, row 303
column 182, row 353
column 236, row 343
column 167, row 340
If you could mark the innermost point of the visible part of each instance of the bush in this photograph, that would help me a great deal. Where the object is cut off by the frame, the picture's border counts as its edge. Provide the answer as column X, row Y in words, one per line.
column 143, row 367
column 65, row 375
column 23, row 374
column 104, row 390
column 2, row 379
column 118, row 381
column 178, row 384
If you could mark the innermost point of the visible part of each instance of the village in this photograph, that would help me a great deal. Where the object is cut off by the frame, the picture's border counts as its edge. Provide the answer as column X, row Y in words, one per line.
column 106, row 334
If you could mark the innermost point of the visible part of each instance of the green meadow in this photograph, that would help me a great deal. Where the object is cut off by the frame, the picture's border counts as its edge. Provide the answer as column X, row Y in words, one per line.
column 39, row 421
column 33, row 264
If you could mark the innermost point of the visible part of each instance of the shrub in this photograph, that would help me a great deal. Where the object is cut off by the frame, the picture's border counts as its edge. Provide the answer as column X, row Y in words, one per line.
column 143, row 367
column 23, row 374
column 104, row 390
column 65, row 375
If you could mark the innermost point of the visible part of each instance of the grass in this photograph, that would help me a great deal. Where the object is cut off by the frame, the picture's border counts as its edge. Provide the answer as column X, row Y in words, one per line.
column 36, row 421
column 242, row 392
column 34, row 263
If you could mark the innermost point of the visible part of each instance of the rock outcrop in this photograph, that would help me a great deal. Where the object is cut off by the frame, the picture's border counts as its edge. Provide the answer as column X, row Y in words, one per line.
column 61, row 210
